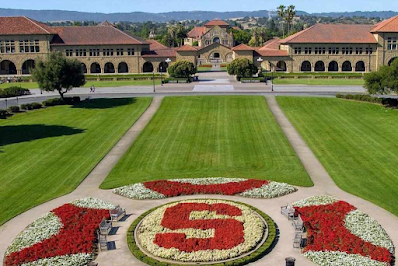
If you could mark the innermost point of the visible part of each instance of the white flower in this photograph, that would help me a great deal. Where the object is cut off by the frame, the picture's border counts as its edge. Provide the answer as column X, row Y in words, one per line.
column 367, row 228
column 271, row 190
column 80, row 259
column 208, row 180
column 93, row 203
column 138, row 191
column 335, row 258
column 315, row 201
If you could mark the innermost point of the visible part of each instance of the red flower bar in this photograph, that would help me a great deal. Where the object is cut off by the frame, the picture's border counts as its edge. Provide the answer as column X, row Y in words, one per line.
column 327, row 232
column 228, row 232
column 76, row 236
column 173, row 189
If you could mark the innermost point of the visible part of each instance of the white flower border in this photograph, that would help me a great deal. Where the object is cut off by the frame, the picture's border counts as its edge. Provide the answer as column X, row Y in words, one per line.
column 49, row 225
column 335, row 258
column 315, row 201
column 273, row 189
column 254, row 230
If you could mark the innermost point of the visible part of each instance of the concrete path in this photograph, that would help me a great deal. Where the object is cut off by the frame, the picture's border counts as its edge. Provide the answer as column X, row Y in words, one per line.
column 122, row 256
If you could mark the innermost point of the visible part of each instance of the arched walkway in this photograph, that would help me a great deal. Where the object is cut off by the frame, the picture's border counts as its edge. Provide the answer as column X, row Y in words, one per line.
column 84, row 68
column 27, row 66
column 360, row 66
column 320, row 66
column 148, row 67
column 392, row 60
column 163, row 66
column 7, row 68
column 95, row 68
column 109, row 68
column 229, row 58
column 306, row 66
column 333, row 66
column 346, row 66
column 123, row 68
column 281, row 66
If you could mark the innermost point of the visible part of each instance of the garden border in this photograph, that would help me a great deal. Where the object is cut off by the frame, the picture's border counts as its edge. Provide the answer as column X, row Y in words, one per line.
column 263, row 250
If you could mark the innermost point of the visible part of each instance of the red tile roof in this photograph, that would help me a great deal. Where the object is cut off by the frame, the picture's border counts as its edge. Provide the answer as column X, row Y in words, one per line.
column 197, row 32
column 22, row 26
column 216, row 22
column 272, row 52
column 243, row 47
column 186, row 47
column 388, row 25
column 160, row 53
column 333, row 33
column 155, row 45
column 93, row 35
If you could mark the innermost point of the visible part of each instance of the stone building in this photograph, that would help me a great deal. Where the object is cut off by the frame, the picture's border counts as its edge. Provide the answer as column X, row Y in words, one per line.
column 104, row 49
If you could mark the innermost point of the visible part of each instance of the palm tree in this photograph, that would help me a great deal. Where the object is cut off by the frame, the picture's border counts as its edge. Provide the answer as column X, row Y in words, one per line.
column 172, row 31
column 282, row 14
column 290, row 13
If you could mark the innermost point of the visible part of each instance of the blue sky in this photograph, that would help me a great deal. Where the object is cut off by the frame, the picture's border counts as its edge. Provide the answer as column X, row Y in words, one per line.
column 156, row 6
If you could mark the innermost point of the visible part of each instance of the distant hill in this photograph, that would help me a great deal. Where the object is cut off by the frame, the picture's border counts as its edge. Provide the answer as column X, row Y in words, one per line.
column 60, row 15
column 366, row 14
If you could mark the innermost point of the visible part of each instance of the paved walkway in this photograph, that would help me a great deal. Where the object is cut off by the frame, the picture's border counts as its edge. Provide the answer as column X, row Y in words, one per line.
column 122, row 256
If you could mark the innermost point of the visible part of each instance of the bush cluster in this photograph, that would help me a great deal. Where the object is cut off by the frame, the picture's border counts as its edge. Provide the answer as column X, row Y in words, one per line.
column 13, row 92
column 59, row 101
column 13, row 109
column 242, row 68
column 31, row 106
column 3, row 113
column 389, row 102
column 182, row 69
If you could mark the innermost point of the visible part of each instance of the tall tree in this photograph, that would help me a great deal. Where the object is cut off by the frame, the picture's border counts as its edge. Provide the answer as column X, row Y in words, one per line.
column 383, row 81
column 289, row 16
column 172, row 31
column 282, row 14
column 59, row 73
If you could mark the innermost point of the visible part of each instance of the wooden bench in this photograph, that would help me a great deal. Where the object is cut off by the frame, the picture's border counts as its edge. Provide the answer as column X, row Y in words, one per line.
column 117, row 213
column 105, row 227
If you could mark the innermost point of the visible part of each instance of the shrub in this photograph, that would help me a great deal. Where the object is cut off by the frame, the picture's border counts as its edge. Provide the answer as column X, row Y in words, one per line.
column 14, row 109
column 242, row 68
column 182, row 69
column 3, row 113
column 360, row 97
column 13, row 92
column 53, row 102
column 26, row 106
column 36, row 105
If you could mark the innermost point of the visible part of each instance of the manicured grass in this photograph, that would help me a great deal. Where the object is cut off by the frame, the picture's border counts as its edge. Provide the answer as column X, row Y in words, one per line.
column 34, row 85
column 354, row 141
column 204, row 69
column 47, row 153
column 311, row 81
column 220, row 136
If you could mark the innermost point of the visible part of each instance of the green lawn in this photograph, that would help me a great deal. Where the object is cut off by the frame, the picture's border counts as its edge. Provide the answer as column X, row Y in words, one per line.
column 311, row 81
column 47, row 153
column 220, row 136
column 33, row 85
column 356, row 142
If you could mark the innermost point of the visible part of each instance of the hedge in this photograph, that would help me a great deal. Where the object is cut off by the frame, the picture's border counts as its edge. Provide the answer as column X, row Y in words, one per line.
column 3, row 113
column 263, row 250
column 13, row 92
column 13, row 109
column 59, row 101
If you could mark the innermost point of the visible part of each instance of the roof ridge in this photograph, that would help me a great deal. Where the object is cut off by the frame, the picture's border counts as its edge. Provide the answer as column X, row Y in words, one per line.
column 387, row 21
column 35, row 22
column 131, row 37
column 294, row 36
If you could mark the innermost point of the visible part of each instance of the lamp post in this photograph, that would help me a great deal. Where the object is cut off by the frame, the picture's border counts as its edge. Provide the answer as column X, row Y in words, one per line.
column 261, row 60
column 272, row 76
column 153, row 78
column 168, row 61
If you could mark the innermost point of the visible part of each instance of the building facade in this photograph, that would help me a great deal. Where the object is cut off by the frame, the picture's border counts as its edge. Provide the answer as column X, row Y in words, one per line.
column 104, row 49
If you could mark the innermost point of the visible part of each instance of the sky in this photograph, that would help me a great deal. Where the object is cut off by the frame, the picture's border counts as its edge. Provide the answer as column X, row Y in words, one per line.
column 157, row 6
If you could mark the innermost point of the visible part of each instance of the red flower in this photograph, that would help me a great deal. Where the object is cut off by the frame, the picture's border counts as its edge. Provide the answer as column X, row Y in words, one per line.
column 173, row 189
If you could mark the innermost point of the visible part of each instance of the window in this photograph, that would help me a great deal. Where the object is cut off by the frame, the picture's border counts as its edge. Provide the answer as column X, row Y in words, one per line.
column 69, row 52
column 320, row 50
column 333, row 50
column 108, row 52
column 369, row 50
column 297, row 50
column 7, row 46
column 307, row 50
column 94, row 52
column 358, row 50
column 389, row 43
column 130, row 51
column 394, row 43
column 81, row 52
column 119, row 52
column 347, row 50
column 29, row 46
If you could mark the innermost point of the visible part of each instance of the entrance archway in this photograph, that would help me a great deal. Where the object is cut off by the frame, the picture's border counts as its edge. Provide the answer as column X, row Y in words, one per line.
column 95, row 68
column 306, row 66
column 84, row 68
column 27, row 66
column 392, row 60
column 109, row 68
column 360, row 66
column 281, row 66
column 320, row 66
column 163, row 66
column 123, row 68
column 333, row 66
column 346, row 66
column 148, row 67
column 7, row 68
column 229, row 58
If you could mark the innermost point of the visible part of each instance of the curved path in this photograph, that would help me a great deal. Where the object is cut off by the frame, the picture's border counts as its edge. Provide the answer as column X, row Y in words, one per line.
column 324, row 185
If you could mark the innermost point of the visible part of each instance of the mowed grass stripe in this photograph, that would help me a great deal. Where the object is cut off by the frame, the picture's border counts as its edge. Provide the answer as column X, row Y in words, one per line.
column 355, row 143
column 210, row 136
column 48, row 166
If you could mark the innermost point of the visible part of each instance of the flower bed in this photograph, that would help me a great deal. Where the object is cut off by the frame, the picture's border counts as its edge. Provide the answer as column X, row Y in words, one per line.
column 160, row 189
column 201, row 231
column 339, row 234
column 65, row 236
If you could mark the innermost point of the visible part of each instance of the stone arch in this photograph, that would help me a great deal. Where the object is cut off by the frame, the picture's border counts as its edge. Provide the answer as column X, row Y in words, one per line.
column 306, row 66
column 95, row 68
column 84, row 68
column 7, row 68
column 346, row 66
column 281, row 66
column 27, row 66
column 360, row 66
column 123, row 67
column 163, row 66
column 148, row 67
column 333, row 66
column 216, row 40
column 109, row 68
column 320, row 66
column 392, row 60
column 229, row 57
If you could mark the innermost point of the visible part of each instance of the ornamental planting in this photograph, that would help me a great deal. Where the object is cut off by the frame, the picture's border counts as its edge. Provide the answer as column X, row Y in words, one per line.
column 65, row 236
column 201, row 231
column 250, row 188
column 339, row 234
